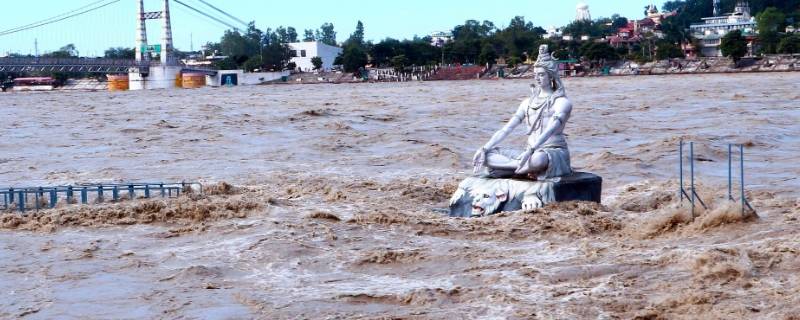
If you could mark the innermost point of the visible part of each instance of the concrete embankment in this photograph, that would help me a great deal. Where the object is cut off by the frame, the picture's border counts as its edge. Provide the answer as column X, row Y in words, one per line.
column 775, row 63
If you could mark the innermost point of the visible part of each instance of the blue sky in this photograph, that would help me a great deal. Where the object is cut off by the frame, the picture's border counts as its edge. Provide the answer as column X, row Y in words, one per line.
column 115, row 25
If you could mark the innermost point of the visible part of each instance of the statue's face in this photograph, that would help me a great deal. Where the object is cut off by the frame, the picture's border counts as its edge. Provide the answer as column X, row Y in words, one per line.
column 541, row 77
column 487, row 202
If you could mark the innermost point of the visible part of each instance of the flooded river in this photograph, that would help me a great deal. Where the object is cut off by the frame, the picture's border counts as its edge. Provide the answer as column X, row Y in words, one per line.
column 334, row 209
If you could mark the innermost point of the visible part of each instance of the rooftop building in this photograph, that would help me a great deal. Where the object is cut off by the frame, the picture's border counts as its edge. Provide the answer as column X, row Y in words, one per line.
column 712, row 29
column 553, row 32
column 439, row 38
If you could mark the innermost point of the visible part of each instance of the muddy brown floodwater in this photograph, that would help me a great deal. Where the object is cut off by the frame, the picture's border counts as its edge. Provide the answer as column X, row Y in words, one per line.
column 330, row 207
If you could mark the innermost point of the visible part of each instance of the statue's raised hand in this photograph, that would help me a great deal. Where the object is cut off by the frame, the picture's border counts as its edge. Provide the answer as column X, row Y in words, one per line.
column 478, row 160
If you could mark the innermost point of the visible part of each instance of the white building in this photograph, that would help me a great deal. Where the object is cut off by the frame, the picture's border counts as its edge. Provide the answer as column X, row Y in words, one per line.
column 553, row 32
column 439, row 38
column 711, row 31
column 582, row 12
column 303, row 52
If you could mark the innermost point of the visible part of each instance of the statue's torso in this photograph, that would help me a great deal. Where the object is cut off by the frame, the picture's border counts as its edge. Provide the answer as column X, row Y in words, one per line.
column 545, row 113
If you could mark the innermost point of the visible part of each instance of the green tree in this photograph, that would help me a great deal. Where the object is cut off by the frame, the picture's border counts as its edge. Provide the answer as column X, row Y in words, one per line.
column 286, row 35
column 275, row 53
column 240, row 47
column 488, row 55
column 317, row 62
column 68, row 51
column 399, row 62
column 384, row 50
column 668, row 50
column 734, row 46
column 418, row 51
column 120, row 53
column 770, row 22
column 592, row 29
column 225, row 64
column 353, row 58
column 468, row 39
column 326, row 34
column 308, row 36
column 253, row 64
column 514, row 41
column 291, row 34
column 618, row 21
column 790, row 44
column 358, row 35
column 596, row 51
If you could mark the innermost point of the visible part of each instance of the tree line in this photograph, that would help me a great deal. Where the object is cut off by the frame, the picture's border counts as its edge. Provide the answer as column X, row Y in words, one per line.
column 483, row 42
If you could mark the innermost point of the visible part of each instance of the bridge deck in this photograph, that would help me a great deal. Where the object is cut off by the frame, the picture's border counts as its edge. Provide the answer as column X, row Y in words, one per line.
column 87, row 65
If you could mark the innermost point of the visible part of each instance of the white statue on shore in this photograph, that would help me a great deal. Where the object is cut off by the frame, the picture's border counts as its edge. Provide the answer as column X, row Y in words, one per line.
column 546, row 114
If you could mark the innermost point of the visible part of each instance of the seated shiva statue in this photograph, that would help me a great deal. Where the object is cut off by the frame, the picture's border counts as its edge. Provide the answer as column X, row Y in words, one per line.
column 546, row 114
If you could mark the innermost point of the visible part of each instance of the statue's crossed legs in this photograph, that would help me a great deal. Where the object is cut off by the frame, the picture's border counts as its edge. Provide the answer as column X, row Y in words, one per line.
column 544, row 163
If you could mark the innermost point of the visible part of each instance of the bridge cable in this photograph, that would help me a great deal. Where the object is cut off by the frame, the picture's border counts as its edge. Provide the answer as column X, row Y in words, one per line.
column 53, row 17
column 195, row 15
column 40, row 24
column 225, row 13
column 207, row 15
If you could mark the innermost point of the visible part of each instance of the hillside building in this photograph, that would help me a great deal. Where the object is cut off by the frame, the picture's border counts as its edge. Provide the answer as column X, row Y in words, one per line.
column 711, row 31
column 303, row 52
column 439, row 38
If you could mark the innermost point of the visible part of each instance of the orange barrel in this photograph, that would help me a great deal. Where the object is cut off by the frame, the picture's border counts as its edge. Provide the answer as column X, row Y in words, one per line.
column 118, row 82
column 194, row 80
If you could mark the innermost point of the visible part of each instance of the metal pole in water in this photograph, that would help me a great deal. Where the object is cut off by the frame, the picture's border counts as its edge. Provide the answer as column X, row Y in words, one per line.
column 84, row 195
column 147, row 191
column 11, row 195
column 730, row 174
column 131, row 192
column 115, row 193
column 100, row 194
column 53, row 198
column 22, row 201
column 691, row 166
column 680, row 169
column 741, row 172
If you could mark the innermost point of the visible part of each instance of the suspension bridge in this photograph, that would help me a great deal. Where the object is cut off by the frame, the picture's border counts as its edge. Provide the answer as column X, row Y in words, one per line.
column 145, row 71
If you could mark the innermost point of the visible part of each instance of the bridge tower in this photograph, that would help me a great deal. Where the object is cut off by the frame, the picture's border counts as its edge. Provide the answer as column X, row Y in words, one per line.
column 167, row 50
column 141, row 35
column 154, row 75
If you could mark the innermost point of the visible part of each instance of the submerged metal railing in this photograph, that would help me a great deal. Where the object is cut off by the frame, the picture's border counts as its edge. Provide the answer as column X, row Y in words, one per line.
column 694, row 197
column 742, row 196
column 49, row 197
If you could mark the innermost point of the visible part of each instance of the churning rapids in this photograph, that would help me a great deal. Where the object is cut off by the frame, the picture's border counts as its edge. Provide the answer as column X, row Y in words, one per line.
column 322, row 203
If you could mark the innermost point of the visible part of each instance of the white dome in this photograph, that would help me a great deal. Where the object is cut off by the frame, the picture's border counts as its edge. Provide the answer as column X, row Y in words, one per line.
column 582, row 6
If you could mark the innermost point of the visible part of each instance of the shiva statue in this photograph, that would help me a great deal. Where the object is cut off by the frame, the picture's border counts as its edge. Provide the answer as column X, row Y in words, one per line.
column 545, row 113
